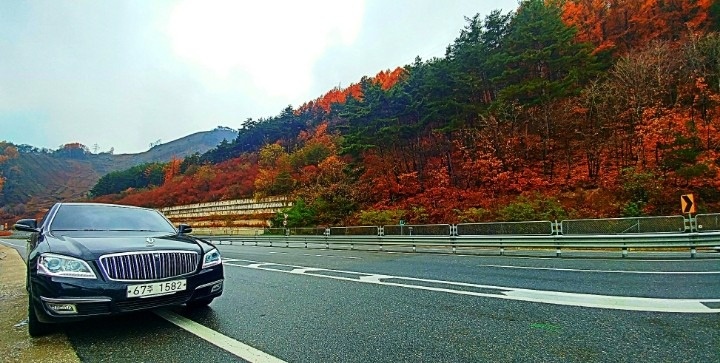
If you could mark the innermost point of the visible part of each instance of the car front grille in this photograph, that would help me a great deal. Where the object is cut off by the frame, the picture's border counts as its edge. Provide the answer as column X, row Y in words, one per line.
column 95, row 308
column 144, row 266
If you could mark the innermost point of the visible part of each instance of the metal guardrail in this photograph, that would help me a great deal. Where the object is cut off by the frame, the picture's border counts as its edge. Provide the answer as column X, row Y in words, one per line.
column 621, row 234
column 417, row 230
column 556, row 243
column 671, row 224
column 707, row 222
column 602, row 226
column 506, row 228
column 17, row 235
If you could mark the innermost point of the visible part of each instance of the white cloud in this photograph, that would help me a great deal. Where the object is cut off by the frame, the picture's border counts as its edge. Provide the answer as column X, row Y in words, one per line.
column 123, row 74
column 275, row 42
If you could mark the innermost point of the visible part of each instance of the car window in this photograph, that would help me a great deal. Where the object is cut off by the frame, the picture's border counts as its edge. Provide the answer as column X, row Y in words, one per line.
column 108, row 218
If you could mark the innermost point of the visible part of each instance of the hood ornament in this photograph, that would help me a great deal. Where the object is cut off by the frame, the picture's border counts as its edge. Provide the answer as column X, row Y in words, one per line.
column 150, row 241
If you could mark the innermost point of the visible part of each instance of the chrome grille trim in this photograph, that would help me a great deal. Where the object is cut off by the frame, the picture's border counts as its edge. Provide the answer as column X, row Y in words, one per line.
column 145, row 266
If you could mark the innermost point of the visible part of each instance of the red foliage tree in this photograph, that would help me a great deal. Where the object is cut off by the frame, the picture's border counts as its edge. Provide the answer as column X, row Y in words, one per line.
column 622, row 25
column 172, row 169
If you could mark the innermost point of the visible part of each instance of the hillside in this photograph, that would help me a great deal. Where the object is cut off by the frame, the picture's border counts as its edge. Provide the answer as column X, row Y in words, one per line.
column 561, row 109
column 34, row 180
column 199, row 142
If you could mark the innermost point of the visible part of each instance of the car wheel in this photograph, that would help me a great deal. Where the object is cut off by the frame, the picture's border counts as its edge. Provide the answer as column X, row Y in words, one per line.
column 36, row 328
column 200, row 303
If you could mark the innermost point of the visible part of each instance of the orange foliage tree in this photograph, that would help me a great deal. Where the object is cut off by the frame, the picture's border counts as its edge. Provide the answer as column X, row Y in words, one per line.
column 172, row 169
column 621, row 25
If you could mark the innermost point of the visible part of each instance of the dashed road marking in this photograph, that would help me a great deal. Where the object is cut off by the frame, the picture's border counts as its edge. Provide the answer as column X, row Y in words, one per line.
column 630, row 303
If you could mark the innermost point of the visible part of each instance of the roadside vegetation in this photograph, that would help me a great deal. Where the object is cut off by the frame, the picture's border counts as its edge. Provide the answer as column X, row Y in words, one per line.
column 560, row 109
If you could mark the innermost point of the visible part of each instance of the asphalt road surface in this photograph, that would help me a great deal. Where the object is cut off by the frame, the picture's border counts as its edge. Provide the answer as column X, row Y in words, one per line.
column 314, row 305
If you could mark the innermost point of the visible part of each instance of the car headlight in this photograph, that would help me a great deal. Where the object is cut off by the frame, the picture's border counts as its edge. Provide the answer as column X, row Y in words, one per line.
column 211, row 258
column 64, row 266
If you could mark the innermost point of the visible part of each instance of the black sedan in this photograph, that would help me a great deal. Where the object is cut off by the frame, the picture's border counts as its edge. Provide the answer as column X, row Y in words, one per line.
column 90, row 259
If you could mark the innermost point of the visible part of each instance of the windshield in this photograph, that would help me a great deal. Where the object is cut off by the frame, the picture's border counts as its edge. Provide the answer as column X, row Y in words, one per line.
column 109, row 218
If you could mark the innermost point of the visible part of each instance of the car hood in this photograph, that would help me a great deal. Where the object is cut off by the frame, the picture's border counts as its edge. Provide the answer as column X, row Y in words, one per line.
column 90, row 246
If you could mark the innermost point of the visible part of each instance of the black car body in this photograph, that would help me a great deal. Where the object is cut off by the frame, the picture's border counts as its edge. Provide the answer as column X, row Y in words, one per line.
column 91, row 259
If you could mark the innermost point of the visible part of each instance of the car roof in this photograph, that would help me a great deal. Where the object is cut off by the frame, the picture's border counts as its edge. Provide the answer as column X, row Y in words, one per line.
column 102, row 204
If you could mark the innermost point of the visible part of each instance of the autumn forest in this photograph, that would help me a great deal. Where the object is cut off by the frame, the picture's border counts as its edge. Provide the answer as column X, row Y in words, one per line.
column 560, row 109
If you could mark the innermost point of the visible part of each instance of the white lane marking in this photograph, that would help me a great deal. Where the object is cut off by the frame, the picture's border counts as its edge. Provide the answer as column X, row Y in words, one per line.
column 11, row 244
column 511, row 293
column 375, row 279
column 231, row 345
column 608, row 271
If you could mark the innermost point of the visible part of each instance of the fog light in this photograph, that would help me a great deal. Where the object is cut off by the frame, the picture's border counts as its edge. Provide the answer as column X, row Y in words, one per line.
column 62, row 308
column 216, row 287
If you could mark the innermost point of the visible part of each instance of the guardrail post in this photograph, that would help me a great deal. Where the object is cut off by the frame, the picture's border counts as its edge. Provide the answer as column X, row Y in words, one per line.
column 556, row 228
column 558, row 252
column 624, row 251
column 692, row 250
column 502, row 249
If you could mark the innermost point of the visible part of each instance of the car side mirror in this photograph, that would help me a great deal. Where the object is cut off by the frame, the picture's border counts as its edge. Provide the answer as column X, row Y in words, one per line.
column 184, row 228
column 26, row 225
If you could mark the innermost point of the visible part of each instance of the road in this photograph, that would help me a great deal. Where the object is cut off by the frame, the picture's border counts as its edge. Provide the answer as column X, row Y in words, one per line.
column 311, row 305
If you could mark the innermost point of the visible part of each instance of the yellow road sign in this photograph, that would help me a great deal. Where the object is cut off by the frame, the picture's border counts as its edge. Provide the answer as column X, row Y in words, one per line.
column 687, row 203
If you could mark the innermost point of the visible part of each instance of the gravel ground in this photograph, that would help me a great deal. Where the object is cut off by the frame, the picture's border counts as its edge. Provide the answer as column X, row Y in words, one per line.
column 15, row 343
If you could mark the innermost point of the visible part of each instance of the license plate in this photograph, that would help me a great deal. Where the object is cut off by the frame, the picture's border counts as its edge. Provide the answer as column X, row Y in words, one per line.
column 156, row 288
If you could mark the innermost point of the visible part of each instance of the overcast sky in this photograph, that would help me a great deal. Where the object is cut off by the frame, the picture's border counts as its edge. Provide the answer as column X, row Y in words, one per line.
column 123, row 74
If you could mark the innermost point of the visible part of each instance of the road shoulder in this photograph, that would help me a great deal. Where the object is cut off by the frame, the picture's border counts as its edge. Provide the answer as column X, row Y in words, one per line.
column 15, row 343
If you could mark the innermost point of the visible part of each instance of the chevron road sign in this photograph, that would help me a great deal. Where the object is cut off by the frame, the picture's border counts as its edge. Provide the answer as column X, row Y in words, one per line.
column 687, row 203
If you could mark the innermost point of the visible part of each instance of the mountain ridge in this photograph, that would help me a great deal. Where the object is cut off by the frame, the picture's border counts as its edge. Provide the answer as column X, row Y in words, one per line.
column 36, row 179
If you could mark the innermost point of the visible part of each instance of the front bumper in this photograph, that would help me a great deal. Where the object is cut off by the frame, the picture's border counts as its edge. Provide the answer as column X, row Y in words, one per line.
column 66, row 299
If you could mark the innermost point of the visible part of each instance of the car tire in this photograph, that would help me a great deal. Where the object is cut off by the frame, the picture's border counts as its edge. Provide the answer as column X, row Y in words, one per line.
column 200, row 303
column 36, row 328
